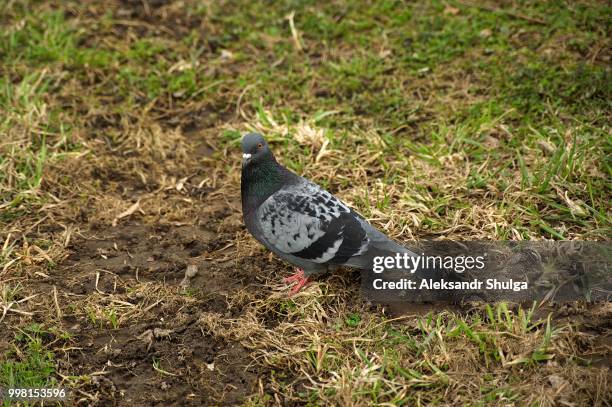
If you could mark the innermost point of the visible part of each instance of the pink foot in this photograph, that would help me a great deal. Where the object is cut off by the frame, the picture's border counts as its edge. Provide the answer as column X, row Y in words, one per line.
column 299, row 278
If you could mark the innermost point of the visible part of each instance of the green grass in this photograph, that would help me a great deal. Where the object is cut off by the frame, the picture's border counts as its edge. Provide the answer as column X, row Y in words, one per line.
column 522, row 94
column 30, row 364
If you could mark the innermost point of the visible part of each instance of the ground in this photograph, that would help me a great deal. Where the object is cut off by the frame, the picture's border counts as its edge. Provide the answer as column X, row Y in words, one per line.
column 126, row 273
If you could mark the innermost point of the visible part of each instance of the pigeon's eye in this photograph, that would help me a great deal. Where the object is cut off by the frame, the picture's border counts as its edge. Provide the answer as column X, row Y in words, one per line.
column 259, row 146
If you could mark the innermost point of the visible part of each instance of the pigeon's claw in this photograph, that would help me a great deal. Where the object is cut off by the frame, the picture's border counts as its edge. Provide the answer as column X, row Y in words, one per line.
column 296, row 288
column 300, row 280
column 299, row 274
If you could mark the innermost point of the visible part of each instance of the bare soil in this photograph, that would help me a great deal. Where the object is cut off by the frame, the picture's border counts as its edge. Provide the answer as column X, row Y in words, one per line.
column 202, row 369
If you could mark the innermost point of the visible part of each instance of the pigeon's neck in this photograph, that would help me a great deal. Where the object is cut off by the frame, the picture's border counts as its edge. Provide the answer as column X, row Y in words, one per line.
column 259, row 181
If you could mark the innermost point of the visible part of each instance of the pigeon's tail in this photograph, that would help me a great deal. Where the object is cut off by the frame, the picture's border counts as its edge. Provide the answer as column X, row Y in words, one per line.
column 392, row 258
column 390, row 263
column 379, row 246
column 377, row 253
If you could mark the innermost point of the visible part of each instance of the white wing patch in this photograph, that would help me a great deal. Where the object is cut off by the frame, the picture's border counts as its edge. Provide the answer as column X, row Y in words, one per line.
column 329, row 253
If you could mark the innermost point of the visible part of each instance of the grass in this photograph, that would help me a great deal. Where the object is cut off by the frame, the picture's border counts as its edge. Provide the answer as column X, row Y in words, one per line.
column 457, row 119
column 36, row 363
column 384, row 361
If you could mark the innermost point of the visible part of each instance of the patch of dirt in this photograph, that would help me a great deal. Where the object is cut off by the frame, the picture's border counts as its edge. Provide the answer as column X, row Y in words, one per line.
column 594, row 324
column 181, row 366
column 149, row 253
column 125, row 265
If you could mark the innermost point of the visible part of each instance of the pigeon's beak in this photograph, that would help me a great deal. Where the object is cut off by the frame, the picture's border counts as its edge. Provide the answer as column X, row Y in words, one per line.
column 245, row 159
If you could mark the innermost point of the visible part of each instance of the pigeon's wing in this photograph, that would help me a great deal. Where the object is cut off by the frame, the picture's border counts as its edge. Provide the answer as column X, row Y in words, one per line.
column 309, row 223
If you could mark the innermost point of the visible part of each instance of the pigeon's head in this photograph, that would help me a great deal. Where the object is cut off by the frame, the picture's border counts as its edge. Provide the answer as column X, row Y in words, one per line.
column 254, row 149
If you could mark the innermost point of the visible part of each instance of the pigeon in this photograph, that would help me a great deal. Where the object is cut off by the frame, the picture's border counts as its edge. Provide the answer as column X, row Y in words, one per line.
column 301, row 222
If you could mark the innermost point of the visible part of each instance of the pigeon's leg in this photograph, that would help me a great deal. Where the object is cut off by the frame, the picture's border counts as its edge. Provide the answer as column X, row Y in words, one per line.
column 299, row 278
column 299, row 274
